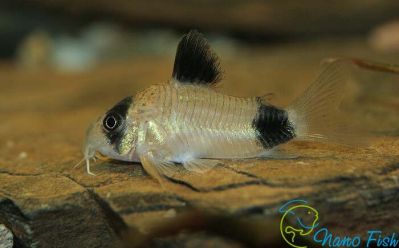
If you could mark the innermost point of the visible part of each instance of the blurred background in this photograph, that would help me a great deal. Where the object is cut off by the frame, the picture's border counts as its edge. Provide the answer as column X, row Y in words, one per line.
column 76, row 36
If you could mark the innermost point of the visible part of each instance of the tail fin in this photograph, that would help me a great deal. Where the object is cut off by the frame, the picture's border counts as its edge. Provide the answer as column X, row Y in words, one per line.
column 315, row 114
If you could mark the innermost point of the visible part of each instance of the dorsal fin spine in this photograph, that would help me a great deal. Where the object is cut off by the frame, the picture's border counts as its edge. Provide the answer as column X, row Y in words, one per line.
column 195, row 62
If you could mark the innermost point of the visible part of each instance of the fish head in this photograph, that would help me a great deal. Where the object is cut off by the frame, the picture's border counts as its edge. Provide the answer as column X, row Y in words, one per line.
column 114, row 134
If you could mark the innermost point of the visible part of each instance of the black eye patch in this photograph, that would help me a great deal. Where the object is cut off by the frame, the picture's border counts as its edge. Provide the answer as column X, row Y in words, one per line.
column 114, row 121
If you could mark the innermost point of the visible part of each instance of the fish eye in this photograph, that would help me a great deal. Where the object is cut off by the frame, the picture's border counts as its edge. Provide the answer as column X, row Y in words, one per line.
column 111, row 122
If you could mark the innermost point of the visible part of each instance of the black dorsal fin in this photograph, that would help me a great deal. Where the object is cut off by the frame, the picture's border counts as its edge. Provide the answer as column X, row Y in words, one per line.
column 195, row 62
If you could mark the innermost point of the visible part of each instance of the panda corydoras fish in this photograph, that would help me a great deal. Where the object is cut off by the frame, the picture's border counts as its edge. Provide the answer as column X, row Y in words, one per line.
column 187, row 122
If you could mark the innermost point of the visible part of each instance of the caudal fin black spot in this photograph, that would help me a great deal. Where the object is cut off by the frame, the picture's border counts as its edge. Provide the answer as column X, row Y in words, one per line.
column 195, row 62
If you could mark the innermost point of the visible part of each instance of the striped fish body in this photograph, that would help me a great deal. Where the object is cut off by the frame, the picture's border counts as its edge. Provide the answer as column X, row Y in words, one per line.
column 195, row 122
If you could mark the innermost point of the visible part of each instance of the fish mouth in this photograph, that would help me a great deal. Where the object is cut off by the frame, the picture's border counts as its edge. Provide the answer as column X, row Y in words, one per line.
column 90, row 146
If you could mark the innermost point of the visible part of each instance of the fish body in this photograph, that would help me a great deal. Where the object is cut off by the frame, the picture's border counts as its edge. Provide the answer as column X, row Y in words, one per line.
column 195, row 122
column 187, row 121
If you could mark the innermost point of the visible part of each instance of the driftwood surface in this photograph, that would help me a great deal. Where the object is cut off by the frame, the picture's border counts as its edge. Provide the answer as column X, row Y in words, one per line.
column 45, row 202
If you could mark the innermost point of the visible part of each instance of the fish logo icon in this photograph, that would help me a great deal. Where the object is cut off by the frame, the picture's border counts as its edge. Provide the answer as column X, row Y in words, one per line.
column 298, row 220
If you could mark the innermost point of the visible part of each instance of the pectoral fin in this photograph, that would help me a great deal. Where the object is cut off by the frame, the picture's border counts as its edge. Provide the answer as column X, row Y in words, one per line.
column 157, row 169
